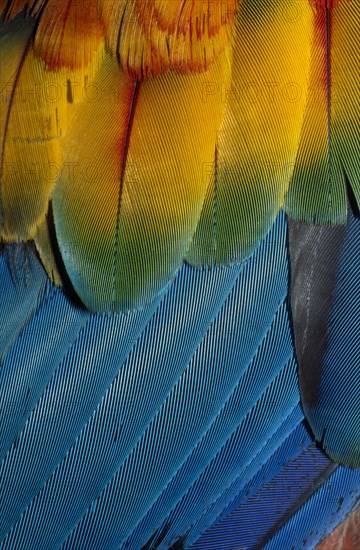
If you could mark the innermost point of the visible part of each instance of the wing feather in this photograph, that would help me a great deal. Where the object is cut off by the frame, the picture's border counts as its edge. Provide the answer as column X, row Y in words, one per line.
column 127, row 213
column 259, row 135
column 330, row 139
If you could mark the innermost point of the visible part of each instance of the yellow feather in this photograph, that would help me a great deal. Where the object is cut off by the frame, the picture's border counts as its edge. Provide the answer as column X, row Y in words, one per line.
column 330, row 138
column 258, row 140
column 127, row 209
column 37, row 108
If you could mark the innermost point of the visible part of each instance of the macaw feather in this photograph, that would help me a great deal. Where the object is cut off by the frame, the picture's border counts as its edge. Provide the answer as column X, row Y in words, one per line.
column 149, row 402
column 247, row 126
column 288, row 441
column 126, row 209
column 204, row 384
column 259, row 136
column 187, row 312
column 203, row 475
column 314, row 515
column 326, row 319
column 152, row 36
column 330, row 139
column 147, row 427
column 39, row 104
column 28, row 8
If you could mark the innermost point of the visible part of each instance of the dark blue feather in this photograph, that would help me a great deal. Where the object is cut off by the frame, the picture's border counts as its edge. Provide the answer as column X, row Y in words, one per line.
column 295, row 509
column 289, row 440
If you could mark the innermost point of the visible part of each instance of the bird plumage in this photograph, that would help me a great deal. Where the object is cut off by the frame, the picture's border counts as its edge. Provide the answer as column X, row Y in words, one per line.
column 149, row 378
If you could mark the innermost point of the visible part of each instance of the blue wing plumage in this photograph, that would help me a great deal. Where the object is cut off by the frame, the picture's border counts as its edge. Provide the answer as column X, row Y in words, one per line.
column 173, row 425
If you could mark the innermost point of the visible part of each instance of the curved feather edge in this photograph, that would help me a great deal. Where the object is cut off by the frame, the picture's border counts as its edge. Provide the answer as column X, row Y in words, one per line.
column 22, row 283
column 125, row 214
column 215, row 293
column 325, row 287
column 67, row 33
column 30, row 133
column 46, row 433
column 38, row 106
column 260, row 132
column 185, row 36
column 196, row 398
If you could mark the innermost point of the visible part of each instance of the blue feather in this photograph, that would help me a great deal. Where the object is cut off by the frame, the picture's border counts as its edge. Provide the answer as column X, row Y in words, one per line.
column 32, row 360
column 197, row 397
column 203, row 469
column 332, row 496
column 168, row 425
column 296, row 509
column 287, row 442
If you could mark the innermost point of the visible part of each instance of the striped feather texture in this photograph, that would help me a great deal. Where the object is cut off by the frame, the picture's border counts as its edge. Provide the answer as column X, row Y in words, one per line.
column 127, row 207
column 325, row 288
column 186, row 36
column 227, row 434
column 145, row 428
column 124, row 223
column 152, row 131
column 328, row 152
column 260, row 131
column 174, row 420
column 336, row 493
column 37, row 107
column 67, row 33
column 265, row 519
column 22, row 284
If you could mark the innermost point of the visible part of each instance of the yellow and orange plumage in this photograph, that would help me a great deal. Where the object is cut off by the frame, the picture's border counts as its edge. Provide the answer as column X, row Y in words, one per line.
column 158, row 131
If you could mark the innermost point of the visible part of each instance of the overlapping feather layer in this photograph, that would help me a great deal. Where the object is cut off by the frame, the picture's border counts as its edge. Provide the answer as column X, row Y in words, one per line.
column 136, row 135
column 150, row 132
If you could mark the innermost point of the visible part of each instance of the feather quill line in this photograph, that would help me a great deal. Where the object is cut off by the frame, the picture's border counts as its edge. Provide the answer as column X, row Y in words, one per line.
column 132, row 109
column 328, row 97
